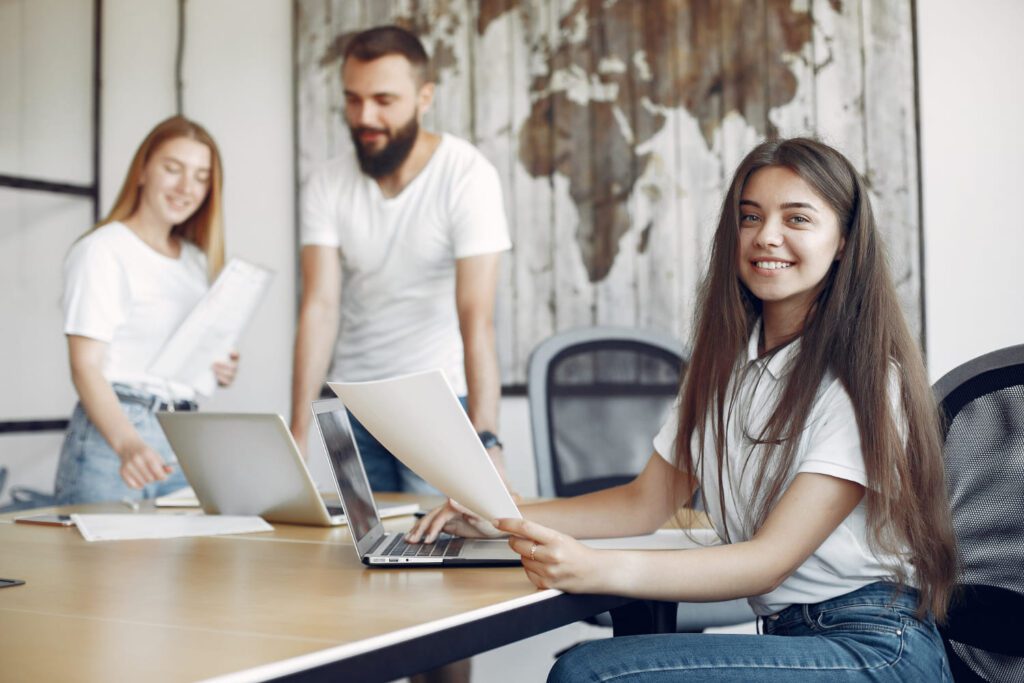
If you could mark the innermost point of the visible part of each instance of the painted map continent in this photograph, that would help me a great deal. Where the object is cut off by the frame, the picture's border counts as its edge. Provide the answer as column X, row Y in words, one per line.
column 612, row 70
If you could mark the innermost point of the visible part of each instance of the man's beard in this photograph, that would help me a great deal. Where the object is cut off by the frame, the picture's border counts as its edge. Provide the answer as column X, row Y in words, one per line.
column 385, row 162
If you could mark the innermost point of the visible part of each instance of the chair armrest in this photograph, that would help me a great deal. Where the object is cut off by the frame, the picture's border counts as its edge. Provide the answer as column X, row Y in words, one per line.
column 986, row 617
column 644, row 617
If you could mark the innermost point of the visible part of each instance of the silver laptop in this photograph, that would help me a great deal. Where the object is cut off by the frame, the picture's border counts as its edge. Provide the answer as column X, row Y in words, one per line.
column 248, row 464
column 376, row 547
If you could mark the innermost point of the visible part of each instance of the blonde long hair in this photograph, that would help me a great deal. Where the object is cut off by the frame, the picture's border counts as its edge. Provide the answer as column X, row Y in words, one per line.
column 857, row 330
column 204, row 227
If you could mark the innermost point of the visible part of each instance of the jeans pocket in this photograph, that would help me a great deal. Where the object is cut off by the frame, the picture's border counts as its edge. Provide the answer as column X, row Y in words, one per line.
column 138, row 414
column 861, row 619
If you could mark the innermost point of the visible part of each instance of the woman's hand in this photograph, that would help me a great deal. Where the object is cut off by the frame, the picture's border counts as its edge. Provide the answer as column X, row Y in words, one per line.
column 140, row 464
column 450, row 518
column 552, row 559
column 226, row 370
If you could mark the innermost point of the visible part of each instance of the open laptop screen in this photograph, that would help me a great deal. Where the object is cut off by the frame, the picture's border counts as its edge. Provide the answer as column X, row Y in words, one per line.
column 348, row 470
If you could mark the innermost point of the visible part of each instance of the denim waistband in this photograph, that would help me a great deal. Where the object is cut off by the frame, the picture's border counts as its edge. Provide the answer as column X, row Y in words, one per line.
column 881, row 593
column 128, row 394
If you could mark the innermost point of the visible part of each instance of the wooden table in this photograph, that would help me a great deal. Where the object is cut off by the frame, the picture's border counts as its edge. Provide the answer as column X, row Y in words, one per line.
column 292, row 602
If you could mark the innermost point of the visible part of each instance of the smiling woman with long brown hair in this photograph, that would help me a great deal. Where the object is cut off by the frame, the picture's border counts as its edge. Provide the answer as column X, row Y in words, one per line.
column 128, row 283
column 806, row 418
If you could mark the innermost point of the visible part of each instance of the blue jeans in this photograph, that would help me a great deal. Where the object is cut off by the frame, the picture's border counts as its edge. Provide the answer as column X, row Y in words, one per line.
column 385, row 471
column 89, row 471
column 866, row 635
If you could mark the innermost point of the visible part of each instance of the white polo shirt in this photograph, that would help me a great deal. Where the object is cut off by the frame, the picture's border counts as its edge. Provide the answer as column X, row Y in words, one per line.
column 830, row 445
column 398, row 258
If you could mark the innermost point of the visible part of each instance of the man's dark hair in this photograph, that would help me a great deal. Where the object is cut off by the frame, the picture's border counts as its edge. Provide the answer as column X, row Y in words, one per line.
column 381, row 41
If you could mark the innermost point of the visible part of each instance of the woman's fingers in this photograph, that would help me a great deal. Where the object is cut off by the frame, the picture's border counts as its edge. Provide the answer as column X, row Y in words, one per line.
column 524, row 528
column 422, row 528
column 225, row 371
column 142, row 467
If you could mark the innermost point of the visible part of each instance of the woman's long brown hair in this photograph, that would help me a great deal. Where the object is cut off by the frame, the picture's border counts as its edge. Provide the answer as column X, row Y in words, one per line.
column 856, row 329
column 204, row 228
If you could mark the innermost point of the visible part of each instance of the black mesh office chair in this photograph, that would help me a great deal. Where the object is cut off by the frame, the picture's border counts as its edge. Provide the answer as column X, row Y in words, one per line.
column 983, row 403
column 597, row 397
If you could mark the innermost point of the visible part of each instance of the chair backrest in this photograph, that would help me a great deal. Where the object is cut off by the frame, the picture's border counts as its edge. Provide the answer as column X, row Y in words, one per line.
column 597, row 397
column 983, row 405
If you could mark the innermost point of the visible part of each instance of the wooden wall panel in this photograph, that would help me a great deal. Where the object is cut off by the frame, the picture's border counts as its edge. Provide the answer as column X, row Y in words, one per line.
column 615, row 125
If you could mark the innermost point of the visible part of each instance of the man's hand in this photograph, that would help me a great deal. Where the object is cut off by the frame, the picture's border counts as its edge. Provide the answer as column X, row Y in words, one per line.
column 497, row 456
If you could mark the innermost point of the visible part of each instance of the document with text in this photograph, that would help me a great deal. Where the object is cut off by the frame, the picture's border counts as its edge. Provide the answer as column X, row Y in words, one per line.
column 214, row 326
column 419, row 419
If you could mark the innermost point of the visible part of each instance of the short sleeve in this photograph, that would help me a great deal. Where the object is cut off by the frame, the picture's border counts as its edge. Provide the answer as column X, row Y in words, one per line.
column 479, row 225
column 96, row 292
column 665, row 441
column 319, row 222
column 834, row 446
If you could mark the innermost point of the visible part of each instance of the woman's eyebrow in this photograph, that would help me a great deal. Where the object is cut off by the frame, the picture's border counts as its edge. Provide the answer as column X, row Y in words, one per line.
column 787, row 205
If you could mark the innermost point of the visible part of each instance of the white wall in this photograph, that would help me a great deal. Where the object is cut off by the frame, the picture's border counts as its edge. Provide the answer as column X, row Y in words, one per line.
column 237, row 73
column 45, row 133
column 237, row 84
column 970, row 71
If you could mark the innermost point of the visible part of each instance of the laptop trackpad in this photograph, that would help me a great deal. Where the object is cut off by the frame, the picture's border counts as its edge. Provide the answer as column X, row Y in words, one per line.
column 488, row 550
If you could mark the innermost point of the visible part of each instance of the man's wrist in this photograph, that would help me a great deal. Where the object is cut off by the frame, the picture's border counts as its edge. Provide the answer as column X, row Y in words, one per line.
column 489, row 439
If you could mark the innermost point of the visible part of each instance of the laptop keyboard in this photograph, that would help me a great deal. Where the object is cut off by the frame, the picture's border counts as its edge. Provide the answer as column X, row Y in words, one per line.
column 444, row 547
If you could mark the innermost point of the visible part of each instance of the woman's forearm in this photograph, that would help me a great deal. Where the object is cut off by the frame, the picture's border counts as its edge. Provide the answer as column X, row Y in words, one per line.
column 102, row 406
column 640, row 507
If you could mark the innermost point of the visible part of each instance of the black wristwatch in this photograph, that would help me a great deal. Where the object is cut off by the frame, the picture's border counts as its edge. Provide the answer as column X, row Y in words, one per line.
column 489, row 439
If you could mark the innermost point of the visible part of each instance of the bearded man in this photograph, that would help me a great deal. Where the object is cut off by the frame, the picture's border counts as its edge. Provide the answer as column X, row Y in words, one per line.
column 401, row 242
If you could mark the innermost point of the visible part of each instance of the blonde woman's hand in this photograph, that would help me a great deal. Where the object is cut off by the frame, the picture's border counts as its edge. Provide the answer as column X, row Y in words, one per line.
column 226, row 370
column 140, row 464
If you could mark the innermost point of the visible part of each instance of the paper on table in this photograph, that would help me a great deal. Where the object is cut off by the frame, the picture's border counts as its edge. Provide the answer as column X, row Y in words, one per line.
column 182, row 498
column 419, row 419
column 213, row 327
column 126, row 527
column 663, row 539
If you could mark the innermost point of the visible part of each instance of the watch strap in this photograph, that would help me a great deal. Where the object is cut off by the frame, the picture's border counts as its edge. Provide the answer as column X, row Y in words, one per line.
column 490, row 439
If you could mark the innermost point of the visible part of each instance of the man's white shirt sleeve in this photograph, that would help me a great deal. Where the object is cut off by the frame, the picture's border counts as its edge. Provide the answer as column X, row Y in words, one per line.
column 479, row 225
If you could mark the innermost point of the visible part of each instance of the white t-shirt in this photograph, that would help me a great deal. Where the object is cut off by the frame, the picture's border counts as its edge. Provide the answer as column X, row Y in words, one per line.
column 119, row 290
column 398, row 258
column 830, row 445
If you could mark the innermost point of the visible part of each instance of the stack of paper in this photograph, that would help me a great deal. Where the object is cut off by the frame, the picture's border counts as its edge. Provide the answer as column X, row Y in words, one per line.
column 182, row 498
column 213, row 327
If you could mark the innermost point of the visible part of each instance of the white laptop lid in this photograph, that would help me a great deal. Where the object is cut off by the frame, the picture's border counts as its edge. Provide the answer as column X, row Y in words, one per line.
column 244, row 464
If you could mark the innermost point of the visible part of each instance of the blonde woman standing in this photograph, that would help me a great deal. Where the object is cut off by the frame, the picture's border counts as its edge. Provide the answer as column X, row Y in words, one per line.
column 128, row 283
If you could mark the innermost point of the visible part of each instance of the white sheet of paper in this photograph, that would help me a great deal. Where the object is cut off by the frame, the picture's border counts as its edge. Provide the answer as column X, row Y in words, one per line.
column 213, row 327
column 663, row 539
column 131, row 526
column 182, row 498
column 419, row 418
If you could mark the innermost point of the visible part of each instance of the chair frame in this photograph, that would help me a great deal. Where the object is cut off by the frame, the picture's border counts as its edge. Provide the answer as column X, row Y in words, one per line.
column 970, row 621
column 606, row 337
column 977, row 377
